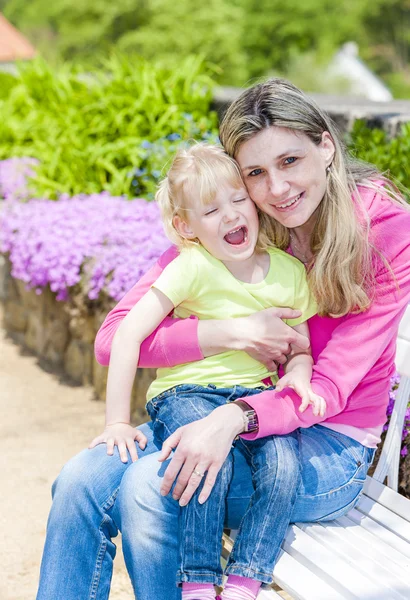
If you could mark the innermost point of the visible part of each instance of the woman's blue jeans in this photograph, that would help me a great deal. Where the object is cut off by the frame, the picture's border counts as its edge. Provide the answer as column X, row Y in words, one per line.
column 95, row 495
column 275, row 472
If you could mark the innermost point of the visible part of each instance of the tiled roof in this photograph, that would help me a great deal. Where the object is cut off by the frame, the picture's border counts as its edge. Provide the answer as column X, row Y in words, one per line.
column 13, row 44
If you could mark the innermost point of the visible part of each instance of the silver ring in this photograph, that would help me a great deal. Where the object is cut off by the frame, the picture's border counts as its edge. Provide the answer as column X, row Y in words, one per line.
column 197, row 473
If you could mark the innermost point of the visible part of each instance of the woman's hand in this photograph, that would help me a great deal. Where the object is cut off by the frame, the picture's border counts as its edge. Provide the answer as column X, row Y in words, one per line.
column 124, row 436
column 201, row 447
column 266, row 337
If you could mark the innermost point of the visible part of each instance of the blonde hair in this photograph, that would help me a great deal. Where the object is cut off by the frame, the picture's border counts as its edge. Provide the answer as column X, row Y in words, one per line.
column 195, row 175
column 342, row 276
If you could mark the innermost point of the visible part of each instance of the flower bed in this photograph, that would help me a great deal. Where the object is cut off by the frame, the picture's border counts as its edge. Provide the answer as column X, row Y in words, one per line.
column 100, row 242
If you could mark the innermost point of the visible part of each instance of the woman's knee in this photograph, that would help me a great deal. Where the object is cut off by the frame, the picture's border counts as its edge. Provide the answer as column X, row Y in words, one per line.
column 141, row 483
column 91, row 474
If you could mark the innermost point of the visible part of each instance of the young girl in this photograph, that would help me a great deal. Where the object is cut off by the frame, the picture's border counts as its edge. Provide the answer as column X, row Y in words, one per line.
column 225, row 269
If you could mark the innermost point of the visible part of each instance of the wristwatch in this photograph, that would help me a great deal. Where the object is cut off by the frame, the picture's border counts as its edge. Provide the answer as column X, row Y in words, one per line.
column 250, row 418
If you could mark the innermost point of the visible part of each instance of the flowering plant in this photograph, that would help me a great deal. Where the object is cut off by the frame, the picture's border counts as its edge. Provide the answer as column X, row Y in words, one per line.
column 99, row 241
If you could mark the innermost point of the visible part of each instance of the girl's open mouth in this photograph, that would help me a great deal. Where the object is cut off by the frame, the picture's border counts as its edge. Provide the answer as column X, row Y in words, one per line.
column 237, row 236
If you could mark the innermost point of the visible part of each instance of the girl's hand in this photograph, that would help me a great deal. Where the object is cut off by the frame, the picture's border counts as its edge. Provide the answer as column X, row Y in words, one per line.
column 304, row 390
column 201, row 449
column 266, row 337
column 124, row 436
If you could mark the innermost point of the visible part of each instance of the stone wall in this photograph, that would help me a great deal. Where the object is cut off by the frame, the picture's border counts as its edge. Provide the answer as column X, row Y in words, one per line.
column 62, row 335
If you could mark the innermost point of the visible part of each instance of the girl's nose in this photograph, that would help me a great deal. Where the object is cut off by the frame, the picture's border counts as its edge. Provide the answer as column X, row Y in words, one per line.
column 230, row 214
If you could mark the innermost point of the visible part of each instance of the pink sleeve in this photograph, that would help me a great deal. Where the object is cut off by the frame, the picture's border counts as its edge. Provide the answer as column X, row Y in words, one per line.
column 174, row 342
column 356, row 345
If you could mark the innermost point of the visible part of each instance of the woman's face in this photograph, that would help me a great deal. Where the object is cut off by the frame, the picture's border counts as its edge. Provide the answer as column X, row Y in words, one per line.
column 285, row 173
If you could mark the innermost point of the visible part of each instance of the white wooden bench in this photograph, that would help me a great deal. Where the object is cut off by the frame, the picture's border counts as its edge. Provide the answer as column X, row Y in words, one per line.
column 365, row 554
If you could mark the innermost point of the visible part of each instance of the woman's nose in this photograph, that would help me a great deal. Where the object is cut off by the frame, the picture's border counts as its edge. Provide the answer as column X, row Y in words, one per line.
column 278, row 185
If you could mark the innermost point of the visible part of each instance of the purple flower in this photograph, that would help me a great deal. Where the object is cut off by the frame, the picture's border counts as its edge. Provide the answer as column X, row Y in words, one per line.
column 103, row 242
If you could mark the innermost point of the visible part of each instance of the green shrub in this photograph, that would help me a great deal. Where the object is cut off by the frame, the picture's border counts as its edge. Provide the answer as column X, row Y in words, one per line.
column 391, row 156
column 88, row 130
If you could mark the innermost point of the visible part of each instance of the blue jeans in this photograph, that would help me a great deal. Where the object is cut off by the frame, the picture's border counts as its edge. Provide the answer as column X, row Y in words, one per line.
column 275, row 471
column 96, row 495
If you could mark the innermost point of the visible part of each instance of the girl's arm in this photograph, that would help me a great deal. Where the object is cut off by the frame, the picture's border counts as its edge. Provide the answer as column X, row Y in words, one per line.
column 263, row 335
column 141, row 320
column 298, row 375
column 174, row 342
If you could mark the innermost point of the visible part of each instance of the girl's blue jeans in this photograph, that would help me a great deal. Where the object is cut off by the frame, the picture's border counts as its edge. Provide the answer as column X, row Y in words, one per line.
column 96, row 495
column 267, row 516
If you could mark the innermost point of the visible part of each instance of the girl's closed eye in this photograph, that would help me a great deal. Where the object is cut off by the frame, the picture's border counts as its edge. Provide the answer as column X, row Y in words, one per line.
column 241, row 200
column 210, row 211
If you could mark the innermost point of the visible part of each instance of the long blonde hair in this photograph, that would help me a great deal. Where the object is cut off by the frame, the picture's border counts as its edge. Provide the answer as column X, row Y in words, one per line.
column 195, row 175
column 342, row 276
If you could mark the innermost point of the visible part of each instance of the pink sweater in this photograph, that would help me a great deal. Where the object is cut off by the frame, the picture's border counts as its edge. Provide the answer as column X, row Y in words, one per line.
column 354, row 355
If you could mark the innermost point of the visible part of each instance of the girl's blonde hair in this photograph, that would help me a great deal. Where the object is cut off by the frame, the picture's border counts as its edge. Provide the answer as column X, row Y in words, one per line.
column 195, row 175
column 342, row 277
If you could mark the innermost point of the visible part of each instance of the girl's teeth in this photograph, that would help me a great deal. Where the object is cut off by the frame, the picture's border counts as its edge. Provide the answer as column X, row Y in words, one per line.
column 289, row 203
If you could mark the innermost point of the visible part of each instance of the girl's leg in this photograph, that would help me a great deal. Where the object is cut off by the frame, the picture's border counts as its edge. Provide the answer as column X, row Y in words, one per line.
column 331, row 480
column 78, row 553
column 275, row 468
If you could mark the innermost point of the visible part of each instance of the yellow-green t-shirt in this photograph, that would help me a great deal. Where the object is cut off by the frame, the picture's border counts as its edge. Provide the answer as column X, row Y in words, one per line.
column 199, row 284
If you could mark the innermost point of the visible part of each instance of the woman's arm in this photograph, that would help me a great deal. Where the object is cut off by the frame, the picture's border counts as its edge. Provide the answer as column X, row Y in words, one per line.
column 177, row 341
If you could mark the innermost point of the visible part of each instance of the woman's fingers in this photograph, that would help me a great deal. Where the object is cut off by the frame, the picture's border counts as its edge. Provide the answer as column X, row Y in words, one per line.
column 170, row 443
column 209, row 483
column 171, row 473
column 183, row 477
column 191, row 485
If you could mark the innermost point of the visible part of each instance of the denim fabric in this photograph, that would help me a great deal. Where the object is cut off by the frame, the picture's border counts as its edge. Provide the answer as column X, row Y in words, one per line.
column 96, row 494
column 264, row 524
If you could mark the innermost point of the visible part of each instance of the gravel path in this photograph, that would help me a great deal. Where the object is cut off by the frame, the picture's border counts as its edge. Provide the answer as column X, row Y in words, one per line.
column 44, row 423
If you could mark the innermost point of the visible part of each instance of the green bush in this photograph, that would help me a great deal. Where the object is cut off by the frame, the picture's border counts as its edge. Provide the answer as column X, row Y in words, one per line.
column 391, row 156
column 89, row 130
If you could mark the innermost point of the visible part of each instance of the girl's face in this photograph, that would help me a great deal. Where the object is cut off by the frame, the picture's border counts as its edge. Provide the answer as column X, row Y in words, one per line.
column 285, row 173
column 228, row 227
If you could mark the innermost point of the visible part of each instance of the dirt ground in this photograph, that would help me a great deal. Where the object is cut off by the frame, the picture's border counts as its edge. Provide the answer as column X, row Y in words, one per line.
column 44, row 422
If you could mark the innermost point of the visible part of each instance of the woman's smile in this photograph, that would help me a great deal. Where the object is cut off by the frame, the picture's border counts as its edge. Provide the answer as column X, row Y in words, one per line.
column 285, row 173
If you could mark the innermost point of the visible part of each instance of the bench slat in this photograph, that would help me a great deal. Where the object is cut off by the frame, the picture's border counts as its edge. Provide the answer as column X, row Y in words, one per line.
column 336, row 538
column 375, row 546
column 380, row 531
column 384, row 516
column 388, row 498
column 303, row 584
column 327, row 565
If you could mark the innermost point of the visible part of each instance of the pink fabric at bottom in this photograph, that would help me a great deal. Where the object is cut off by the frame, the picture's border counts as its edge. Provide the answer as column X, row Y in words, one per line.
column 241, row 588
column 198, row 591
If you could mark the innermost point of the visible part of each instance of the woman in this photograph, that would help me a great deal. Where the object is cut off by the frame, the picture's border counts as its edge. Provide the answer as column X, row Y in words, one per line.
column 348, row 225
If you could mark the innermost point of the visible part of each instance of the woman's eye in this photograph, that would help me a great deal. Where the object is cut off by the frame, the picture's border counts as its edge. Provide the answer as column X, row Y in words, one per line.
column 290, row 160
column 255, row 172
